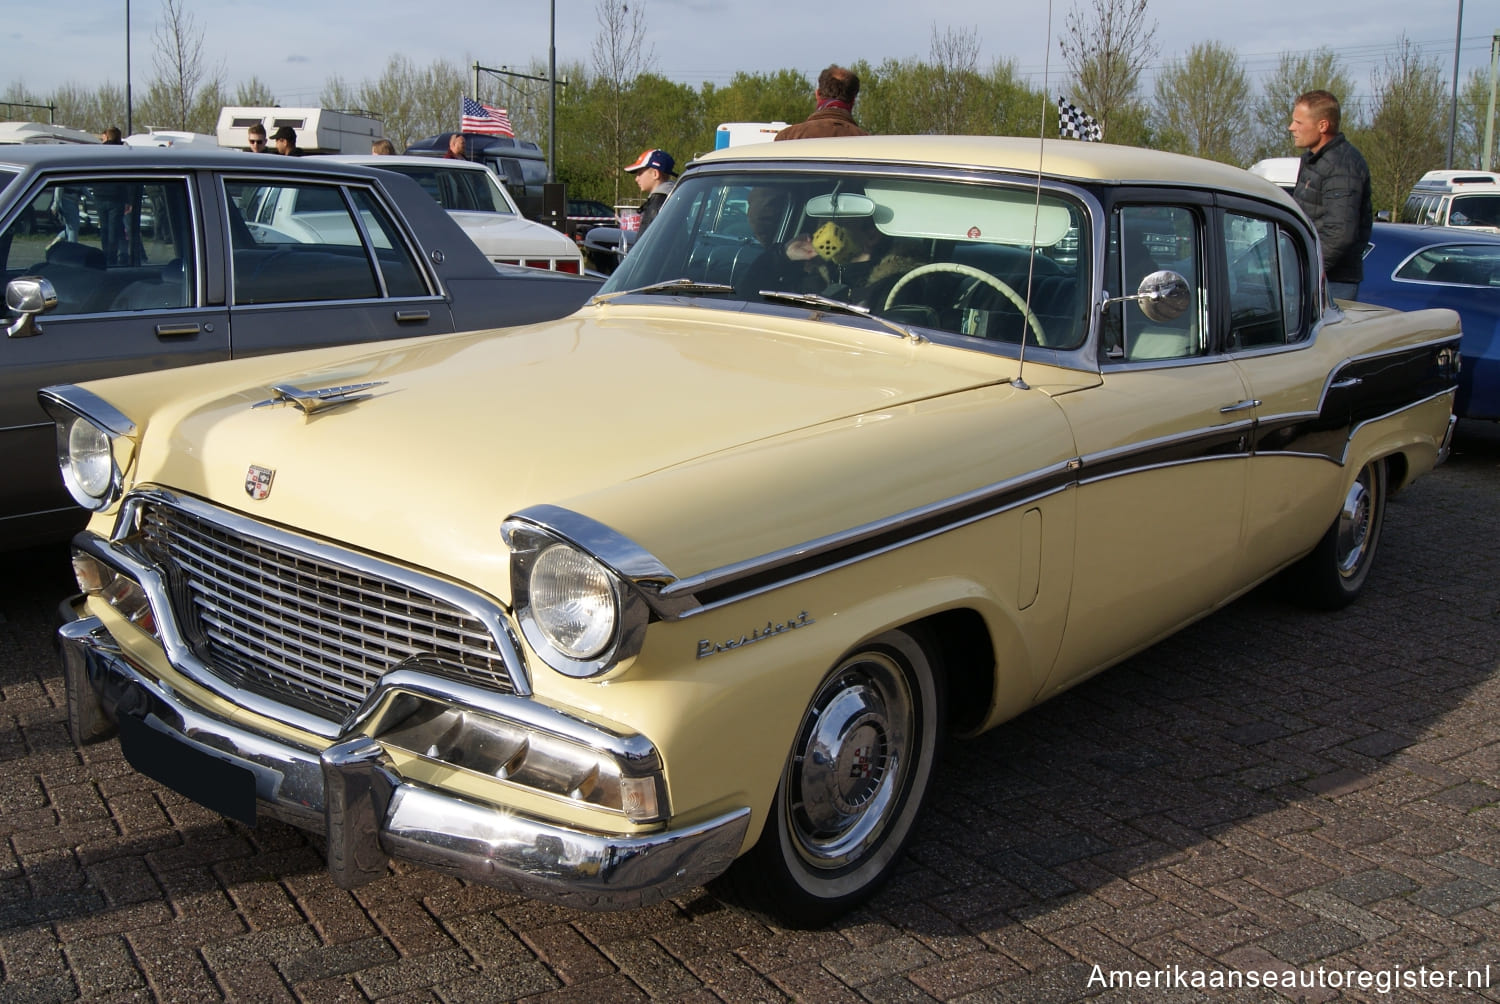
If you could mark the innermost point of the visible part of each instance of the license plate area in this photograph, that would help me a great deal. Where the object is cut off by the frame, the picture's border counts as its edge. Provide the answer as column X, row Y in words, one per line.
column 226, row 788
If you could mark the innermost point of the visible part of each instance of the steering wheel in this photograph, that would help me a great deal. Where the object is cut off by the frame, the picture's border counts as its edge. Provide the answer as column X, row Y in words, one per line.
column 977, row 274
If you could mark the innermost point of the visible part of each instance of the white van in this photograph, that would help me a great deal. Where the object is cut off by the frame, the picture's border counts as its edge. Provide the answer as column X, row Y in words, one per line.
column 1455, row 199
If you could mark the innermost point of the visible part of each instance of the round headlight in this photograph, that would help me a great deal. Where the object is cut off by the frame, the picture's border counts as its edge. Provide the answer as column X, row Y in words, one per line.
column 573, row 602
column 90, row 461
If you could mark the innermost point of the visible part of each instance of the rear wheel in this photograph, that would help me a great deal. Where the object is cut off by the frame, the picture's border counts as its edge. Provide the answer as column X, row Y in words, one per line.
column 856, row 778
column 1334, row 574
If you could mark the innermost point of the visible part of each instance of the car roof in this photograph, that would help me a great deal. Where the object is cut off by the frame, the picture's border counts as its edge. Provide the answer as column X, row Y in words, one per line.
column 1058, row 158
column 1423, row 234
column 84, row 157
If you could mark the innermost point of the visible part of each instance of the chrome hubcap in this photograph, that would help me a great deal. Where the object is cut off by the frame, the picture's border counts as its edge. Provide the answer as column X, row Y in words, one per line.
column 850, row 756
column 1354, row 524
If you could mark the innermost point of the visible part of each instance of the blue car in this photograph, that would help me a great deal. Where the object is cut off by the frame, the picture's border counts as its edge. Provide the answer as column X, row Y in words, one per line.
column 1410, row 267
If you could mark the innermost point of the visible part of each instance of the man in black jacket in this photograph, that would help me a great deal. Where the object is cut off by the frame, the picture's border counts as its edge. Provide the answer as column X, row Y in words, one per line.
column 1333, row 189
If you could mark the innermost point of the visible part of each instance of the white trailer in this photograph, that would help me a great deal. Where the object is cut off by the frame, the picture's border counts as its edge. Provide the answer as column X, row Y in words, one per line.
column 319, row 130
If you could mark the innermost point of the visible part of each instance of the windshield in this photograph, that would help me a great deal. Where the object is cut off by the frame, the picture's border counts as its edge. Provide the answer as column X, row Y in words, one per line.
column 983, row 261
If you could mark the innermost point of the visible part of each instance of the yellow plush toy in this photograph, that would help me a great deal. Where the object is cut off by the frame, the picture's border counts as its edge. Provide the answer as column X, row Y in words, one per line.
column 834, row 243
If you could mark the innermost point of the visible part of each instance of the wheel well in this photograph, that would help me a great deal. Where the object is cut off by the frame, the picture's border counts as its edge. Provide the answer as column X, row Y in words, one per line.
column 1396, row 467
column 960, row 644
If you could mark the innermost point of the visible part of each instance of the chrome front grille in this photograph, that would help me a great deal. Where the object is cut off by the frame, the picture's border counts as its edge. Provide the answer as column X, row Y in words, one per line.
column 307, row 629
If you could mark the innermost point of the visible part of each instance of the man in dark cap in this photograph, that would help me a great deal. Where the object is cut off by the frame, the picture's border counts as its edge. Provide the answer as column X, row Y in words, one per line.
column 653, row 170
column 285, row 139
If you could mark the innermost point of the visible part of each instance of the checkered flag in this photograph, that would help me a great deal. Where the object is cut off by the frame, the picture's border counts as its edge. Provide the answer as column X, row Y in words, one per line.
column 1075, row 123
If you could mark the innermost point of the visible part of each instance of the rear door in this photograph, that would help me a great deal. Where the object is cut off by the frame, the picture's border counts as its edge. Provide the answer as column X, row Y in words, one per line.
column 125, row 253
column 315, row 262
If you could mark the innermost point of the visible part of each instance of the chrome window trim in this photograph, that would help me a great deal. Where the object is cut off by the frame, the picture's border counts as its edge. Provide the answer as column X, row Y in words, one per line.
column 413, row 247
column 42, row 179
column 1396, row 277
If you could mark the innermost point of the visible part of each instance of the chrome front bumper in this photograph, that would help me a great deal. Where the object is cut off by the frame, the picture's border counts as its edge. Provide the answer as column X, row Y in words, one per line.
column 351, row 793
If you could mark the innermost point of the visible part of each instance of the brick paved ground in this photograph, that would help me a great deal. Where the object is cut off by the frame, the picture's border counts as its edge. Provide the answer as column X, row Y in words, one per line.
column 1270, row 789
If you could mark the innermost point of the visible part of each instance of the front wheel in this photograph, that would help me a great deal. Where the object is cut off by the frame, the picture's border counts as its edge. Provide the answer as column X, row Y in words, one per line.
column 856, row 778
column 1334, row 574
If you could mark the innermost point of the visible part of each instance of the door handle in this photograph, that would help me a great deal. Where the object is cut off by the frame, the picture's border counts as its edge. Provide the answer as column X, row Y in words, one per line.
column 1230, row 409
column 177, row 330
column 412, row 316
column 1345, row 384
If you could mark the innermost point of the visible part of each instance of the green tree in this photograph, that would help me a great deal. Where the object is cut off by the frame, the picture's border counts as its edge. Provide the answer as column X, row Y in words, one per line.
column 1407, row 135
column 1296, row 74
column 1473, row 114
column 1200, row 105
column 1106, row 48
column 782, row 96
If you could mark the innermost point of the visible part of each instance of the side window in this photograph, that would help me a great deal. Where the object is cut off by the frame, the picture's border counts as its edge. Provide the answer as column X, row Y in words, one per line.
column 301, row 244
column 1411, row 209
column 397, row 268
column 108, row 244
column 1265, row 283
column 1143, row 240
column 1455, row 264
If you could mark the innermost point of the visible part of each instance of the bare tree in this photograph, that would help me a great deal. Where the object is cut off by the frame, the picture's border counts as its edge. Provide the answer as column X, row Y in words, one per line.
column 180, row 70
column 621, row 54
column 956, row 85
column 1473, row 117
column 1200, row 103
column 1296, row 74
column 1404, row 139
column 1106, row 47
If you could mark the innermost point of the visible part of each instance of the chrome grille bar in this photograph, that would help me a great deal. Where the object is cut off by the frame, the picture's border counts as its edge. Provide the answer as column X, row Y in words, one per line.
column 304, row 628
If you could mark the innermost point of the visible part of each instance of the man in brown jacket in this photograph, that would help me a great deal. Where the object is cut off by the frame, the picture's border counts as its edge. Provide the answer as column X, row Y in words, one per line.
column 837, row 89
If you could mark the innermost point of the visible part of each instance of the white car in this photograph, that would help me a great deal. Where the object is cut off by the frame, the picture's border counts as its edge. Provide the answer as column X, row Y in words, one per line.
column 477, row 201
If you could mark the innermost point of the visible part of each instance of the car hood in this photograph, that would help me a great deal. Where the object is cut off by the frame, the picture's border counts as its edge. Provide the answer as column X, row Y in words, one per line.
column 503, row 236
column 621, row 413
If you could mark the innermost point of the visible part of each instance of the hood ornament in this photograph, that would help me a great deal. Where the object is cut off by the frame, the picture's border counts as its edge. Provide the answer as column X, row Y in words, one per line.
column 310, row 401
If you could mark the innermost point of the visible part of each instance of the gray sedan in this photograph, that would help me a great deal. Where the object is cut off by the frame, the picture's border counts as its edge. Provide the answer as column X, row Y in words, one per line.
column 118, row 259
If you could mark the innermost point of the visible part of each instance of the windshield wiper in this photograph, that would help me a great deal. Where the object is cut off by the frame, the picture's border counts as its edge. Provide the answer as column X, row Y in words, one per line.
column 840, row 307
column 669, row 286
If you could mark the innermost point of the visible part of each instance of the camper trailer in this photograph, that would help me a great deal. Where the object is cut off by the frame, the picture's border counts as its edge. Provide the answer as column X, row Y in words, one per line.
column 319, row 130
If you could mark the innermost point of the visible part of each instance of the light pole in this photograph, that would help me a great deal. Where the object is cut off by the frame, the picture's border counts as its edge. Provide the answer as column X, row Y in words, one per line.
column 552, row 94
column 129, row 131
column 1453, row 104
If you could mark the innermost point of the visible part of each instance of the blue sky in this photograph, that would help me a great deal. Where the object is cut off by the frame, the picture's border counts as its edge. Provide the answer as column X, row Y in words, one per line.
column 295, row 47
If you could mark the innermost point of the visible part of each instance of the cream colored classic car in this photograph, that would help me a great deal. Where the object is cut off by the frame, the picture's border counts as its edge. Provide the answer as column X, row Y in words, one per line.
column 702, row 575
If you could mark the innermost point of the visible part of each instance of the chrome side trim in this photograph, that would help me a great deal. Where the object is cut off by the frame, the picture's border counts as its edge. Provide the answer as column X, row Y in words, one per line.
column 839, row 550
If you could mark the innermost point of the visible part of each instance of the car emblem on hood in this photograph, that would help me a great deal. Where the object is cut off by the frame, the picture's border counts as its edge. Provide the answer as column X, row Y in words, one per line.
column 309, row 401
column 258, row 482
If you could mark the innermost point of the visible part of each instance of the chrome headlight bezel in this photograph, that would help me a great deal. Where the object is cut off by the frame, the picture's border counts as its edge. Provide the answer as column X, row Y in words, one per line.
column 83, row 417
column 617, row 645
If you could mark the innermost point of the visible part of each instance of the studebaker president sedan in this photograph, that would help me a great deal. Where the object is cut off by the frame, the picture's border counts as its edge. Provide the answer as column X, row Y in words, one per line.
column 867, row 443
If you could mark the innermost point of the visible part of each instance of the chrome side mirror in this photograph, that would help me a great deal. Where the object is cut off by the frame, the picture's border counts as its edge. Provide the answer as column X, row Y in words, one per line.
column 1162, row 296
column 26, row 298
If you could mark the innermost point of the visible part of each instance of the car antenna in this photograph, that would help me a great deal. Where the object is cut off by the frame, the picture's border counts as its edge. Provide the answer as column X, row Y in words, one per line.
column 1036, row 210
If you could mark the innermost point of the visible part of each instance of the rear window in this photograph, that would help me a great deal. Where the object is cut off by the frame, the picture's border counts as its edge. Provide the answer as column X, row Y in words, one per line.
column 1455, row 264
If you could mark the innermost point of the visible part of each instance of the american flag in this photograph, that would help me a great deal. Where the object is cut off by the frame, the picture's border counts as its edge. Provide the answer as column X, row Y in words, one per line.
column 1075, row 123
column 485, row 119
